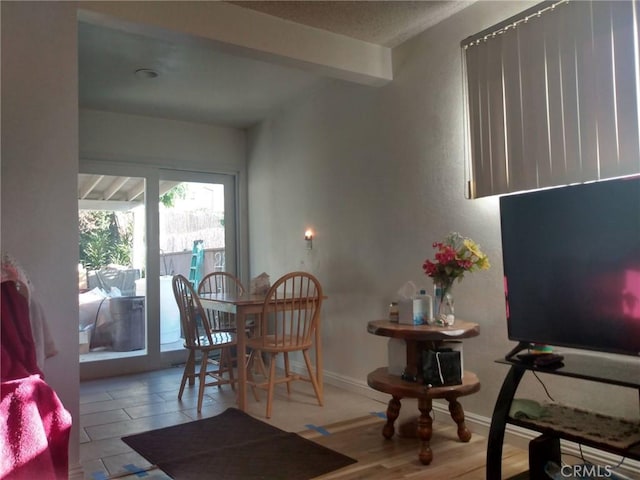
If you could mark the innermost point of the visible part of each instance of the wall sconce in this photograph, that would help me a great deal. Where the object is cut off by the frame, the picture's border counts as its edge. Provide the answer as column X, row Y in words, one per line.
column 308, row 236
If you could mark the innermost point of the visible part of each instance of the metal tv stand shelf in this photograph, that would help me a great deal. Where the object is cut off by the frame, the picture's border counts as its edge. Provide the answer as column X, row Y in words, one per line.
column 585, row 367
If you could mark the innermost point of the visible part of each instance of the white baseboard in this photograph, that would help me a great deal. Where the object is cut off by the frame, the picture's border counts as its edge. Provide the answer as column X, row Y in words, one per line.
column 514, row 435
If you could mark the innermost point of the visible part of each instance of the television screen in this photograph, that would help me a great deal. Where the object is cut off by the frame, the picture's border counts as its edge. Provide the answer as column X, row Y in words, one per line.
column 572, row 266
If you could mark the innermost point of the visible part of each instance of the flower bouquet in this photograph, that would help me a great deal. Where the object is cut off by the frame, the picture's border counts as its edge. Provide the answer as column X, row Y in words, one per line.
column 455, row 256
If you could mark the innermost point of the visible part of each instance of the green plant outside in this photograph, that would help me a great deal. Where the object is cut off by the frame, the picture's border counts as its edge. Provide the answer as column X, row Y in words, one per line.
column 104, row 239
column 168, row 199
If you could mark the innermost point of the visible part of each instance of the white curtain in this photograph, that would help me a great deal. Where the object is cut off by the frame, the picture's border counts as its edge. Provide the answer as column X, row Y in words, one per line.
column 553, row 97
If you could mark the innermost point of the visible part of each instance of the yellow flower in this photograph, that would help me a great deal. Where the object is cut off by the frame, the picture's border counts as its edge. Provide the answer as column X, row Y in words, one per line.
column 483, row 263
column 455, row 256
column 473, row 247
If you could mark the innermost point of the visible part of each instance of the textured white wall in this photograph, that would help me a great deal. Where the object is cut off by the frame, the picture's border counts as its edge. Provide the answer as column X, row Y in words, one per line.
column 160, row 142
column 378, row 173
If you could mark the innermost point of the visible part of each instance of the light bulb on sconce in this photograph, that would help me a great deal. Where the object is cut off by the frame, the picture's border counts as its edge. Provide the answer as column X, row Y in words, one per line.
column 308, row 236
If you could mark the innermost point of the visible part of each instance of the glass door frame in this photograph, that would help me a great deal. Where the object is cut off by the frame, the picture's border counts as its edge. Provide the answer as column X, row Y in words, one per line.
column 153, row 174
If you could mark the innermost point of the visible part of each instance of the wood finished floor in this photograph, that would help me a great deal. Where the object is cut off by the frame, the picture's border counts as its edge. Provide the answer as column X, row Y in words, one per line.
column 350, row 423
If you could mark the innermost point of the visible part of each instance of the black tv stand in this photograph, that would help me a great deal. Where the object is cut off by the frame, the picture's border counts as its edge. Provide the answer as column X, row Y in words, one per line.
column 517, row 349
column 586, row 367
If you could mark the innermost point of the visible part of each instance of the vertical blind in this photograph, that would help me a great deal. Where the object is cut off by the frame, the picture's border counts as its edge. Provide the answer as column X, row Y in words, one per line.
column 552, row 97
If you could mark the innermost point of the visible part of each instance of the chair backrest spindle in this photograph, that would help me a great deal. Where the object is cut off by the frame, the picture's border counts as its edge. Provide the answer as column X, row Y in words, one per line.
column 220, row 282
column 292, row 307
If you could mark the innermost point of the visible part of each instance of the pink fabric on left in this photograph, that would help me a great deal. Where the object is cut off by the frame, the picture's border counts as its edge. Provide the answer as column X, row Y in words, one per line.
column 34, row 433
column 18, row 349
column 34, row 425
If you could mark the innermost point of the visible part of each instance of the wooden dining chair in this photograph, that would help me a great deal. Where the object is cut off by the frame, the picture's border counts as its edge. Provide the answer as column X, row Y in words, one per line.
column 201, row 338
column 225, row 282
column 290, row 317
column 221, row 282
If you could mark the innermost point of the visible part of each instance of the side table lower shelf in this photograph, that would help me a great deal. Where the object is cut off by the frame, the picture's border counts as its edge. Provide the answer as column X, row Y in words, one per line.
column 381, row 380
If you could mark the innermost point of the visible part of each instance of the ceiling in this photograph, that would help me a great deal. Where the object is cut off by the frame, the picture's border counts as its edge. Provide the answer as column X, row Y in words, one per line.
column 194, row 83
column 387, row 23
column 201, row 84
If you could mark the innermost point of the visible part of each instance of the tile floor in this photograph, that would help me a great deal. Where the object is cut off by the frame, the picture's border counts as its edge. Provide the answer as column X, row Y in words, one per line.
column 116, row 407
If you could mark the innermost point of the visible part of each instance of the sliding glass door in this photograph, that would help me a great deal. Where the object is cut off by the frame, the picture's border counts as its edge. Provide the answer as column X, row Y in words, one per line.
column 130, row 249
column 196, row 225
column 111, row 219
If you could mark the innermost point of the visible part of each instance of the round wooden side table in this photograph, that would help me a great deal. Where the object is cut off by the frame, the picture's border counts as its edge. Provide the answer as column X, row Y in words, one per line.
column 418, row 338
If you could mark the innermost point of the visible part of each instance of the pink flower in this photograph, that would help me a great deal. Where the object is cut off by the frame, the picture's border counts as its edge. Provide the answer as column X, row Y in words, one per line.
column 429, row 267
column 454, row 256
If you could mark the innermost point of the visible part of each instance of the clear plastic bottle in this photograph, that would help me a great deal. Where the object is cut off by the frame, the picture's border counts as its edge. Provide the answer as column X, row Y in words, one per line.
column 422, row 308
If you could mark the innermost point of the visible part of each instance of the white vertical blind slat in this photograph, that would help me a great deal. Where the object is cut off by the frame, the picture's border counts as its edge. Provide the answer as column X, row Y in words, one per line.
column 555, row 123
column 625, row 89
column 513, row 110
column 499, row 178
column 587, row 93
column 484, row 166
column 496, row 107
column 533, row 84
column 569, row 82
column 606, row 112
column 474, row 112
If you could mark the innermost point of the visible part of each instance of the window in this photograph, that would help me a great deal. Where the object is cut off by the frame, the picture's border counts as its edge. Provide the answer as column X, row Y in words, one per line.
column 552, row 97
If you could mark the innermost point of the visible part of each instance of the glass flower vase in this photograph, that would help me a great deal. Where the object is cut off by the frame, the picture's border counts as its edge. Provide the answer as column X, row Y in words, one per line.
column 443, row 311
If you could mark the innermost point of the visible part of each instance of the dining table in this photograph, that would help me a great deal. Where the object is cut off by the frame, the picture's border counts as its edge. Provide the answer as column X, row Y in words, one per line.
column 241, row 306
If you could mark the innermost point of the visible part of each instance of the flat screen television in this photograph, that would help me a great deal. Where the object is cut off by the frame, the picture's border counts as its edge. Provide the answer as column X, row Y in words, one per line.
column 572, row 266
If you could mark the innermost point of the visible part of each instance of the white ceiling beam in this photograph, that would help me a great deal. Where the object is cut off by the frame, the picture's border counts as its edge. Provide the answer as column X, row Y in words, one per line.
column 136, row 190
column 165, row 186
column 244, row 32
column 115, row 187
column 89, row 184
column 108, row 205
